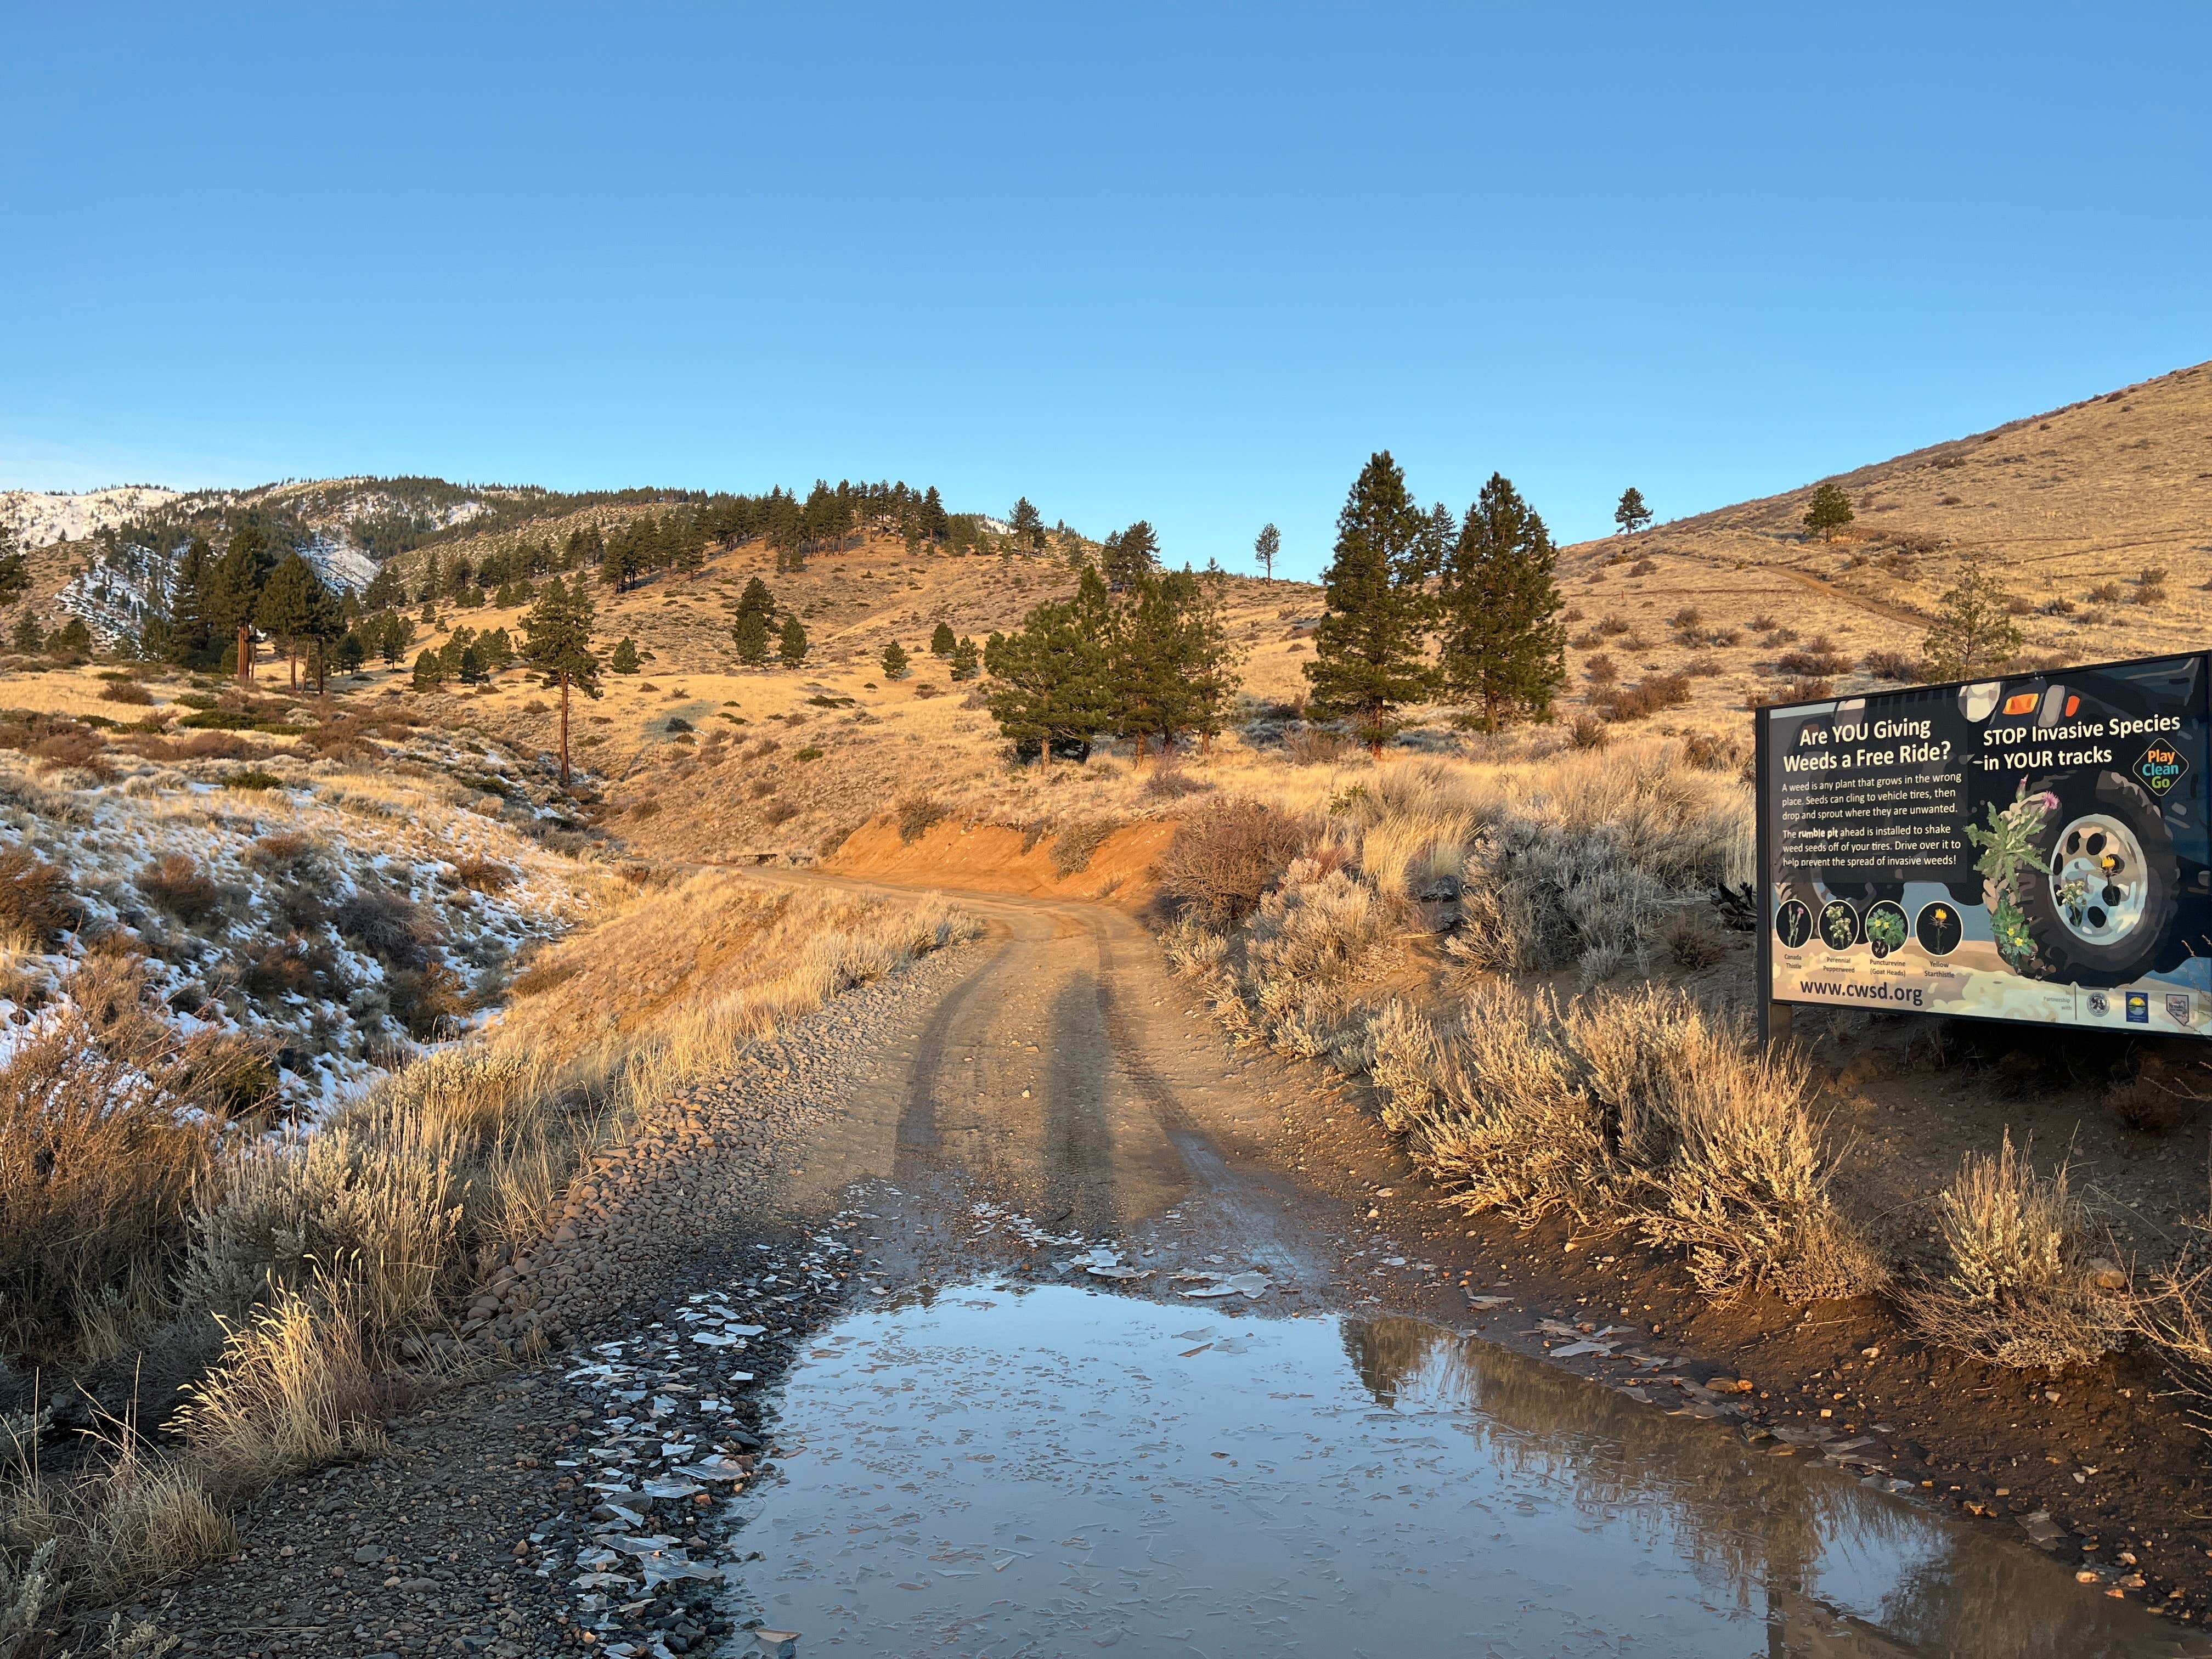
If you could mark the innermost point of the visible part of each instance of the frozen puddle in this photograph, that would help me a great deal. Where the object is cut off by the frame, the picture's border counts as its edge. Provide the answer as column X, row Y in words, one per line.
column 1061, row 1470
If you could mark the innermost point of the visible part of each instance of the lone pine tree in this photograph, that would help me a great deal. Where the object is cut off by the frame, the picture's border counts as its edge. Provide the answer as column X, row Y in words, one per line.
column 1265, row 546
column 624, row 659
column 1974, row 631
column 1502, row 645
column 895, row 662
column 1129, row 554
column 1632, row 516
column 791, row 644
column 940, row 640
column 557, row 642
column 1829, row 511
column 1368, row 656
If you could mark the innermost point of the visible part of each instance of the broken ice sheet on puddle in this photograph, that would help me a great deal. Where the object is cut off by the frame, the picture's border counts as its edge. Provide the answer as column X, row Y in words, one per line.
column 1253, row 1286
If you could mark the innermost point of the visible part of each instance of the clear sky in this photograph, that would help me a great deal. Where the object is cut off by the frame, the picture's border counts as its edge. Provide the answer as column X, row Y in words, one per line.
column 1183, row 262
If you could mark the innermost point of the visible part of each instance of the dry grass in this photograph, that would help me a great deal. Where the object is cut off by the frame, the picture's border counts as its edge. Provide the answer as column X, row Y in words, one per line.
column 1638, row 1107
column 293, row 1388
column 97, row 1173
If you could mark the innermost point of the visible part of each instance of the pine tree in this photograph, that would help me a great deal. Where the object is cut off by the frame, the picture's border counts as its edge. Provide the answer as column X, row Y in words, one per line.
column 1130, row 553
column 750, row 637
column 434, row 579
column 1368, row 656
column 1829, row 511
column 191, row 643
column 14, row 568
column 232, row 592
column 393, row 636
column 964, row 660
column 625, row 659
column 936, row 522
column 1028, row 523
column 941, row 640
column 1632, row 516
column 1974, row 632
column 895, row 663
column 757, row 598
column 430, row 672
column 1503, row 643
column 1052, row 678
column 791, row 643
column 1265, row 547
column 27, row 638
column 351, row 651
column 557, row 642
column 1210, row 658
column 293, row 608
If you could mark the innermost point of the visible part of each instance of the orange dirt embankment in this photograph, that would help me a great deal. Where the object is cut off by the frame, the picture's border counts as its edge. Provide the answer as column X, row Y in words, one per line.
column 990, row 857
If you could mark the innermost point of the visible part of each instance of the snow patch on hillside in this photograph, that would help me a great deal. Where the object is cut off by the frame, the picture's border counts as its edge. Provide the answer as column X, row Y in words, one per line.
column 37, row 517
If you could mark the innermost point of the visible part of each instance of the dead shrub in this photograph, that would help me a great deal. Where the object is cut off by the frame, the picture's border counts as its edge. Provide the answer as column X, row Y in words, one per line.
column 1710, row 753
column 1073, row 847
column 1652, row 694
column 645, row 809
column 2150, row 1107
column 390, row 927
column 777, row 813
column 541, row 977
column 1589, row 733
column 80, row 748
column 1891, row 665
column 1173, row 783
column 2017, row 1285
column 1316, row 748
column 288, row 852
column 429, row 1001
column 1601, row 669
column 1692, row 942
column 1225, row 855
column 178, row 886
column 35, row 900
column 126, row 691
column 481, row 875
column 915, row 815
column 1820, row 660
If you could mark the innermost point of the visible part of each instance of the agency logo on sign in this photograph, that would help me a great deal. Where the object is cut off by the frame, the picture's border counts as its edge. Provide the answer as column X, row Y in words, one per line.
column 2138, row 1007
column 2178, row 1008
column 2100, row 1004
column 2160, row 767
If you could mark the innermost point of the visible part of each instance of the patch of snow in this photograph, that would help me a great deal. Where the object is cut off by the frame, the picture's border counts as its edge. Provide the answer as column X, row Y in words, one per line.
column 40, row 516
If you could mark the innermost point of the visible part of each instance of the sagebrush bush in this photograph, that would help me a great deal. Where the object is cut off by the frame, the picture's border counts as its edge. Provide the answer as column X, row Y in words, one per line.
column 2015, row 1283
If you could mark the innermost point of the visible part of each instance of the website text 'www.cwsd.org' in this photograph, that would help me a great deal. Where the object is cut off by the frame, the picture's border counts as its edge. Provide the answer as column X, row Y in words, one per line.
column 1908, row 996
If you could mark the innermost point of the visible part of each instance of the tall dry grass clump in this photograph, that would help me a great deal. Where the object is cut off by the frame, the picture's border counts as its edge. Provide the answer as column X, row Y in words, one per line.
column 98, row 1170
column 295, row 1387
column 2018, row 1283
column 1639, row 1107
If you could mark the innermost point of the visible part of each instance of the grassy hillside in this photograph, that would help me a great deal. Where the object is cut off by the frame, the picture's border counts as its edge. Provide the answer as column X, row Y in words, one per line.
column 2069, row 506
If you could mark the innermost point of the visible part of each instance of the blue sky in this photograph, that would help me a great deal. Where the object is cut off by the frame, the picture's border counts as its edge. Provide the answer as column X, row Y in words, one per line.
column 1188, row 263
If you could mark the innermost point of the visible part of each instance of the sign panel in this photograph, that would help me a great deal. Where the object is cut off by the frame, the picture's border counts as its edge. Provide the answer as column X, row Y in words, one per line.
column 2030, row 849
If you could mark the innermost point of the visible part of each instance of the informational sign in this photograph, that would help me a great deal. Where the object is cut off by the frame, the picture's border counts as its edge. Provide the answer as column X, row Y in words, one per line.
column 2028, row 848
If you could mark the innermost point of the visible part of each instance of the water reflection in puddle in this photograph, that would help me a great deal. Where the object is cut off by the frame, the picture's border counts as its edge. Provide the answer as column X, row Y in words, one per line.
column 1055, row 1471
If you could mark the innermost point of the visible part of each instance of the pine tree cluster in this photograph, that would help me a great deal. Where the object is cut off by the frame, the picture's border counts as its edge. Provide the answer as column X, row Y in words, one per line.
column 1137, row 653
column 1482, row 586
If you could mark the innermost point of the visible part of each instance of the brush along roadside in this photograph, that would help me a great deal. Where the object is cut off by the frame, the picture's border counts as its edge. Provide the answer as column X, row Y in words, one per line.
column 1379, row 942
column 346, row 1269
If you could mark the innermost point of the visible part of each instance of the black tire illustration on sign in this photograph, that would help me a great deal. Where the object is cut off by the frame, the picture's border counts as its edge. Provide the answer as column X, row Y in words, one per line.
column 2101, row 910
